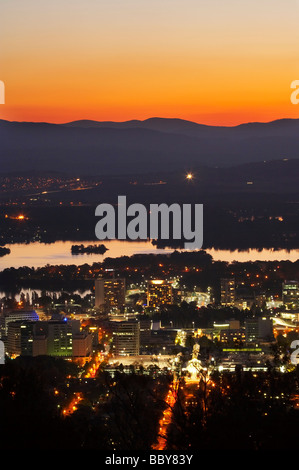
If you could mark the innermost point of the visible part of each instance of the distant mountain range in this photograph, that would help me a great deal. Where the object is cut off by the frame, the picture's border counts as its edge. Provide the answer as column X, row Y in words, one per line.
column 136, row 147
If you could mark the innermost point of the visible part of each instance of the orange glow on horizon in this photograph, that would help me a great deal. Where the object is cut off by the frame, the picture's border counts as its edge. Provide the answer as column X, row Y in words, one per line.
column 221, row 118
column 216, row 63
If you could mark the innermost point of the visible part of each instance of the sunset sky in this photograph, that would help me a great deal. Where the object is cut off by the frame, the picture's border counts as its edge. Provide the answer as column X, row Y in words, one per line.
column 209, row 61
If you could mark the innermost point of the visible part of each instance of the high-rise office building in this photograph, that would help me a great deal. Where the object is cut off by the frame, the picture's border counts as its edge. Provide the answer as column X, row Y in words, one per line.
column 60, row 340
column 145, row 331
column 258, row 328
column 82, row 344
column 126, row 338
column 59, row 336
column 17, row 315
column 110, row 294
column 290, row 294
column 20, row 338
column 228, row 291
column 159, row 292
column 40, row 345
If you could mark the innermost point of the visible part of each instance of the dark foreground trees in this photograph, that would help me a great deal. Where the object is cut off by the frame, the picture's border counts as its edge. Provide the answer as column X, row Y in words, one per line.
column 240, row 410
column 116, row 413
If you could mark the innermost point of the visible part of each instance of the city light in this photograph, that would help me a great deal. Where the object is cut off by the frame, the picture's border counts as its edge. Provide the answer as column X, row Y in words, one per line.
column 16, row 217
column 149, row 230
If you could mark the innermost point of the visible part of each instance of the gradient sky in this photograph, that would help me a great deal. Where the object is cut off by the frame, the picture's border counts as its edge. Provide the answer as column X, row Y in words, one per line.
column 213, row 61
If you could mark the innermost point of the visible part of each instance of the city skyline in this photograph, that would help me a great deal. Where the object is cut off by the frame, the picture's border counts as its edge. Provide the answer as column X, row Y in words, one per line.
column 149, row 243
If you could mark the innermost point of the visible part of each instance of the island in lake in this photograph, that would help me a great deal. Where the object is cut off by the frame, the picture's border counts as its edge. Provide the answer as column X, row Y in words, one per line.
column 81, row 249
column 4, row 251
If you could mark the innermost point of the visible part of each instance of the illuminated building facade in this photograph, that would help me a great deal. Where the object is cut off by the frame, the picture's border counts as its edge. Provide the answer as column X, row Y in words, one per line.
column 60, row 341
column 110, row 294
column 232, row 336
column 53, row 338
column 228, row 291
column 159, row 293
column 290, row 294
column 20, row 338
column 126, row 338
column 260, row 328
column 17, row 315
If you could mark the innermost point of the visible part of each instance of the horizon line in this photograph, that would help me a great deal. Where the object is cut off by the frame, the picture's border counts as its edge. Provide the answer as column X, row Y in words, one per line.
column 148, row 119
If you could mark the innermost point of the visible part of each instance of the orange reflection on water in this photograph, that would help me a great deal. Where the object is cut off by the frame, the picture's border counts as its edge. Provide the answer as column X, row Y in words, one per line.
column 39, row 254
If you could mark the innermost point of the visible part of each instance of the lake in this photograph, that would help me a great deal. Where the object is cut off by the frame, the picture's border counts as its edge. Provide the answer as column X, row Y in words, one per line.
column 39, row 254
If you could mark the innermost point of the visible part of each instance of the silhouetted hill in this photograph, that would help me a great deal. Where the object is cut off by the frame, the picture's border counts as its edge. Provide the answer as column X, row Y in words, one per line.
column 179, row 126
column 282, row 127
column 103, row 148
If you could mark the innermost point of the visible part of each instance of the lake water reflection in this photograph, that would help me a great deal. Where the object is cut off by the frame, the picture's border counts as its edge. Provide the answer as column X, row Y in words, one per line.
column 39, row 254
